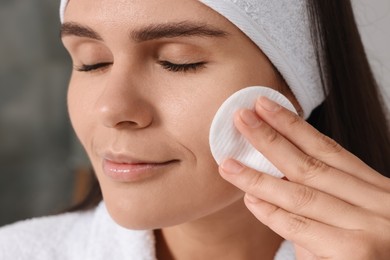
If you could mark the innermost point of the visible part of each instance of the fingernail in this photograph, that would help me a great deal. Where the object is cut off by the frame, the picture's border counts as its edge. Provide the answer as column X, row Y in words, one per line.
column 268, row 104
column 231, row 166
column 249, row 118
column 251, row 198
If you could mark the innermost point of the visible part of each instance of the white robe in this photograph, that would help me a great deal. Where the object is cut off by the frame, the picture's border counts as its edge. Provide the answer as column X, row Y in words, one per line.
column 89, row 235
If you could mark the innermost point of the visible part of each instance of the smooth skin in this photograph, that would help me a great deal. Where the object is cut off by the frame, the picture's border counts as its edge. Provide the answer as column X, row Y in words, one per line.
column 128, row 102
column 132, row 105
column 334, row 206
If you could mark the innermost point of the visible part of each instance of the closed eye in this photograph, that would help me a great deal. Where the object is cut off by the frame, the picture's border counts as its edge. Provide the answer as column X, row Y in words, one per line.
column 92, row 67
column 186, row 67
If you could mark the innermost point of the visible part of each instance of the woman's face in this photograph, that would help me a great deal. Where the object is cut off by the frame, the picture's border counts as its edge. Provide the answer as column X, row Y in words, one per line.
column 135, row 106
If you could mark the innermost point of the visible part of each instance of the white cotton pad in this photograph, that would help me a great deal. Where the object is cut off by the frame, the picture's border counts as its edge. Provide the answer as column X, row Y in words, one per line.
column 227, row 142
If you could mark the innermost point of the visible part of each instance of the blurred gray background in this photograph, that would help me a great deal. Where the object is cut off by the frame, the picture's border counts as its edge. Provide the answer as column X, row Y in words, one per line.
column 39, row 155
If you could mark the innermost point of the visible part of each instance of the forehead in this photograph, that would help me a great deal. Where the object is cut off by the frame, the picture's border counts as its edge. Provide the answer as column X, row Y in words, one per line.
column 114, row 13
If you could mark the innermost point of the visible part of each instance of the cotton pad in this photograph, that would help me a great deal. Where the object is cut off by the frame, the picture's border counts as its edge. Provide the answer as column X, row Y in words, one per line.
column 227, row 142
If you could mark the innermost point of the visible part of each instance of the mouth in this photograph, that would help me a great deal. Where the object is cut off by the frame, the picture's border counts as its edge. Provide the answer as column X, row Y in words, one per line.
column 126, row 169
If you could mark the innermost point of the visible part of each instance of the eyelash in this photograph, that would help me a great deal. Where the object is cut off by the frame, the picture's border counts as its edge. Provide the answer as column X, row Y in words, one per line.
column 165, row 64
column 182, row 67
column 92, row 67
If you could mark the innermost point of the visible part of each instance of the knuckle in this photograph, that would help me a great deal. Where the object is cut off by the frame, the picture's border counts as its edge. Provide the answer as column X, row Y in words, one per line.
column 271, row 213
column 327, row 145
column 296, row 224
column 271, row 136
column 294, row 120
column 302, row 197
column 310, row 166
column 256, row 183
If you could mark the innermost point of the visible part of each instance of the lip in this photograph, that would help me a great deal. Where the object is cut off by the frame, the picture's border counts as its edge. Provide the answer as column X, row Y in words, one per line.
column 125, row 169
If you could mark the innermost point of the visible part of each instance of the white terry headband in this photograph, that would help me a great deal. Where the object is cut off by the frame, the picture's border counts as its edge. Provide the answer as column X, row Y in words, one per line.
column 281, row 30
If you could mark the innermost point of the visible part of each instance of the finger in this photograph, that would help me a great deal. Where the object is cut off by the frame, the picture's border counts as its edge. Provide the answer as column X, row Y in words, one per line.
column 314, row 143
column 315, row 237
column 293, row 197
column 305, row 169
column 303, row 253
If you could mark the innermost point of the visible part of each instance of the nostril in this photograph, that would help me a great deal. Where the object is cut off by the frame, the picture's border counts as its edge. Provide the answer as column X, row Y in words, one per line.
column 125, row 117
column 119, row 108
column 127, row 124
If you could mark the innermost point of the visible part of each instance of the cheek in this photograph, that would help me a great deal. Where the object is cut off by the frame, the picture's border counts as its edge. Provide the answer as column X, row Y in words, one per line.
column 74, row 108
column 80, row 102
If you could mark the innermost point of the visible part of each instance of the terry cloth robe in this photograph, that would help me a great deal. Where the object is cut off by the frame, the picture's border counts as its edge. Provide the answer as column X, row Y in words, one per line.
column 87, row 235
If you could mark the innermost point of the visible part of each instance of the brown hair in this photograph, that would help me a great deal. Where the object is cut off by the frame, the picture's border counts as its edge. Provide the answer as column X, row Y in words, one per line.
column 353, row 113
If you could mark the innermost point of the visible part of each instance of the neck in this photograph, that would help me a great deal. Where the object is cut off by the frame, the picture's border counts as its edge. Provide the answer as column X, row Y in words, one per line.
column 232, row 233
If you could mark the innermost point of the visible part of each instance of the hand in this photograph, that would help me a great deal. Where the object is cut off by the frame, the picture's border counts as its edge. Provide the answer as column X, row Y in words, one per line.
column 334, row 206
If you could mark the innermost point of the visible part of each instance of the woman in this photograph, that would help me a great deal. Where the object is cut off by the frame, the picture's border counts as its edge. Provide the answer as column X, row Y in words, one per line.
column 147, row 81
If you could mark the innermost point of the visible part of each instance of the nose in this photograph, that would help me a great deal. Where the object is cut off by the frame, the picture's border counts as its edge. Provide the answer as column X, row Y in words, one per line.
column 123, row 104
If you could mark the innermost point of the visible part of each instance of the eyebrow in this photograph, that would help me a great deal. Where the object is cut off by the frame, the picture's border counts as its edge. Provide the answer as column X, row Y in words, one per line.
column 150, row 32
column 75, row 29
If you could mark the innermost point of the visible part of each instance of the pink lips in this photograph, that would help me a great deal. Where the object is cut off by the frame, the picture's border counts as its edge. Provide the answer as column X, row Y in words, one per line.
column 132, row 171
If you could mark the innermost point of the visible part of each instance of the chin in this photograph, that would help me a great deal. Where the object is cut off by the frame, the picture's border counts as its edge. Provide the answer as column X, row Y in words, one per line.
column 144, row 219
column 160, row 215
column 150, row 206
column 139, row 213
